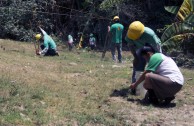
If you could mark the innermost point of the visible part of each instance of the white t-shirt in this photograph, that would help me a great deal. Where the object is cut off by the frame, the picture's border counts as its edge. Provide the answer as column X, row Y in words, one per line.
column 165, row 66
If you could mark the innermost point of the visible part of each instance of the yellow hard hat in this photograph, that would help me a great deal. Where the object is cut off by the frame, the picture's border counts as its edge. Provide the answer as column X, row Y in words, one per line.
column 116, row 18
column 38, row 36
column 135, row 30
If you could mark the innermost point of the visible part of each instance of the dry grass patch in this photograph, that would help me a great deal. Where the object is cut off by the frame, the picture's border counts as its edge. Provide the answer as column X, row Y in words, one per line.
column 77, row 88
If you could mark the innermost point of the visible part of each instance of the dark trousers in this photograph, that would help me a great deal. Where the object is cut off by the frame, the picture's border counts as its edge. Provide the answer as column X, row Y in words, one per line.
column 117, row 46
column 50, row 52
column 139, row 65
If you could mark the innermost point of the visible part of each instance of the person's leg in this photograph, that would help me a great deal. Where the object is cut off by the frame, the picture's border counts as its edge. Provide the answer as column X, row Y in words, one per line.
column 138, row 65
column 52, row 52
column 119, row 49
column 92, row 47
column 133, row 80
column 163, row 87
column 69, row 46
column 113, row 51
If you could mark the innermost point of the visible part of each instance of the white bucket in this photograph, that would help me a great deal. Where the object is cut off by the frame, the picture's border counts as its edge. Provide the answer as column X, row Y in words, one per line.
column 140, row 90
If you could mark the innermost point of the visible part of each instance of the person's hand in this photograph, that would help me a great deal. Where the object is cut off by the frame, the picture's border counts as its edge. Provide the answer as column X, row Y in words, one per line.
column 132, row 86
column 108, row 28
column 37, row 53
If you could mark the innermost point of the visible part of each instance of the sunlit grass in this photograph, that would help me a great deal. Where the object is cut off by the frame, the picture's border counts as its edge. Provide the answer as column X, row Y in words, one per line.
column 74, row 88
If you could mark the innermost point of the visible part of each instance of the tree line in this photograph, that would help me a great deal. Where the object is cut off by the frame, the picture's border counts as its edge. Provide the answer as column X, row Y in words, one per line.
column 20, row 19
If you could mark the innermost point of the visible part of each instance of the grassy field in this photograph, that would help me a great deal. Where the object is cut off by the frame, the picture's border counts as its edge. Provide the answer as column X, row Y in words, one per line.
column 78, row 89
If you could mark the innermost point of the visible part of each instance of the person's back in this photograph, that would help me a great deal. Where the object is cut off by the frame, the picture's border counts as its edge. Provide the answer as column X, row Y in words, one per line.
column 92, row 40
column 116, row 31
column 70, row 42
column 165, row 66
column 148, row 37
column 49, row 42
column 70, row 39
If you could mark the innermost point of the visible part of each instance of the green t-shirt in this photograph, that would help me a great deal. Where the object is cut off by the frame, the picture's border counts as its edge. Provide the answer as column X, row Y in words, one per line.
column 154, row 62
column 116, row 32
column 49, row 42
column 149, row 37
column 92, row 41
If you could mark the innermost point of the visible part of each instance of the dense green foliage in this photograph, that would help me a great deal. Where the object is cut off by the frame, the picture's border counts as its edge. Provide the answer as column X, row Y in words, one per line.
column 20, row 18
column 180, row 34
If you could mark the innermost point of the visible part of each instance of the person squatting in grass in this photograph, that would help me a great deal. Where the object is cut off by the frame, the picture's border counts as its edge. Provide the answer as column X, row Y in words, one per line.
column 162, row 77
column 48, row 48
column 116, row 31
column 138, row 36
column 92, row 42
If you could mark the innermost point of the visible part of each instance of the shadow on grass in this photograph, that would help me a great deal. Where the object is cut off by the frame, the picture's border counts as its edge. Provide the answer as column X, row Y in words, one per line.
column 171, row 105
column 120, row 93
column 124, row 92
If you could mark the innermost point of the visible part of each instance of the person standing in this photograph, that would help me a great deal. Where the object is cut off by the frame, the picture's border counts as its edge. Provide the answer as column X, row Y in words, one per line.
column 116, row 31
column 70, row 42
column 138, row 36
column 162, row 77
column 48, row 47
column 92, row 42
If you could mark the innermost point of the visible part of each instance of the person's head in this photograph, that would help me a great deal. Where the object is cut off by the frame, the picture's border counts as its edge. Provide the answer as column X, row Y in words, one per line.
column 91, row 35
column 135, row 30
column 147, row 52
column 116, row 19
column 38, row 36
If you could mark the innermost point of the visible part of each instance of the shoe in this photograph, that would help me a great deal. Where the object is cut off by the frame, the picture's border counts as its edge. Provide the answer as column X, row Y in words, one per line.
column 145, row 100
column 152, row 97
column 168, row 100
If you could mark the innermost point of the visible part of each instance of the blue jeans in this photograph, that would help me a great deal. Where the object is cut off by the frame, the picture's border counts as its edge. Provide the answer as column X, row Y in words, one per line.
column 139, row 65
column 117, row 46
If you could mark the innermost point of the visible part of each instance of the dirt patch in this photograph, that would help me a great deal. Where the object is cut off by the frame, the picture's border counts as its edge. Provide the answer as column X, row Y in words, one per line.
column 132, row 112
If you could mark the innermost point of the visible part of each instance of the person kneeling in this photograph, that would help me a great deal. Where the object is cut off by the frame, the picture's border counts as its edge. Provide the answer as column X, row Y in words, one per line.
column 48, row 46
column 162, row 77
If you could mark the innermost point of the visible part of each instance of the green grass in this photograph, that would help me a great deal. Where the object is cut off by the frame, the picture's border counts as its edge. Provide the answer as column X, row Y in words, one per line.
column 74, row 88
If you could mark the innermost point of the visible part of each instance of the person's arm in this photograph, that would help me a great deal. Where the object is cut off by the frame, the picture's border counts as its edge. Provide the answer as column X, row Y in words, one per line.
column 108, row 28
column 44, row 51
column 141, row 78
column 46, row 47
